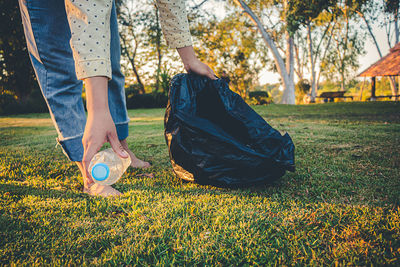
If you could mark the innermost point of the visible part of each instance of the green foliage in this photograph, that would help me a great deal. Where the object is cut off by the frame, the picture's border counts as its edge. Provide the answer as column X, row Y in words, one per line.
column 145, row 54
column 341, row 62
column 258, row 94
column 229, row 46
column 302, row 12
column 272, row 90
column 341, row 206
column 131, row 39
column 302, row 88
column 392, row 7
column 16, row 73
column 259, row 98
column 165, row 80
column 355, row 86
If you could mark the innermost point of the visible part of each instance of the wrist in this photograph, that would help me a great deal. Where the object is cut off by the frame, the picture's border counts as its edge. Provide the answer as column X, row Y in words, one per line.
column 187, row 55
column 97, row 108
column 96, row 95
column 98, row 111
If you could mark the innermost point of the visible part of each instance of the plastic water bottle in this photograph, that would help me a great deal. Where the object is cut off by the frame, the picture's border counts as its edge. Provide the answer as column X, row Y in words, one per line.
column 107, row 167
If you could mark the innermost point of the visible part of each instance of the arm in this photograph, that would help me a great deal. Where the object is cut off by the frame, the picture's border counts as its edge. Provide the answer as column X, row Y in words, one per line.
column 175, row 27
column 193, row 64
column 90, row 39
column 89, row 22
column 100, row 127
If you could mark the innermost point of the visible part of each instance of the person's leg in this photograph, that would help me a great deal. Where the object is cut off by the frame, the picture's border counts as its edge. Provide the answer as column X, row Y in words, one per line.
column 47, row 34
column 116, row 93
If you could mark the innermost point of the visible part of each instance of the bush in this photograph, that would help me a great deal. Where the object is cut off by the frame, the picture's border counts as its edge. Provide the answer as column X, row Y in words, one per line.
column 10, row 104
column 34, row 103
column 259, row 98
column 302, row 89
column 7, row 102
column 151, row 100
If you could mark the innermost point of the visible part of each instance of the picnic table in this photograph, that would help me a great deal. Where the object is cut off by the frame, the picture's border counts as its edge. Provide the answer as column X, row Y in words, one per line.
column 330, row 96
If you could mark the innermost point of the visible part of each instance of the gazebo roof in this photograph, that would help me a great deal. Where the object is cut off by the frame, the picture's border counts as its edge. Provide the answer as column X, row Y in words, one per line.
column 389, row 65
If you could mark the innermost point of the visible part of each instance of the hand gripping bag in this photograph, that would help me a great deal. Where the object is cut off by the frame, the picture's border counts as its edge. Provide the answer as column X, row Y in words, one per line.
column 215, row 138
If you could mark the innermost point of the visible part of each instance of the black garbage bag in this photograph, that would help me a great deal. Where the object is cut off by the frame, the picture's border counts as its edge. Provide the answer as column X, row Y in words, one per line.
column 215, row 138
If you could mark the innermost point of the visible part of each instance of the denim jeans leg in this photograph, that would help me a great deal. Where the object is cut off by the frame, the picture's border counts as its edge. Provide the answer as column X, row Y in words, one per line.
column 47, row 33
column 116, row 90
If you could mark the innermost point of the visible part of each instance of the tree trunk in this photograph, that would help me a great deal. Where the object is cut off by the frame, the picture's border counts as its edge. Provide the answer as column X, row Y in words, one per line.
column 158, row 47
column 288, row 83
column 159, row 56
column 342, row 56
column 393, row 86
column 331, row 31
column 396, row 26
column 373, row 81
column 362, row 89
column 312, row 64
column 299, row 70
column 289, row 95
column 141, row 86
column 125, row 51
column 371, row 34
column 395, row 89
column 342, row 82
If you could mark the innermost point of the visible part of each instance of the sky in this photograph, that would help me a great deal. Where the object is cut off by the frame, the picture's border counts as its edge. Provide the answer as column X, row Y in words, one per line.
column 371, row 56
column 365, row 61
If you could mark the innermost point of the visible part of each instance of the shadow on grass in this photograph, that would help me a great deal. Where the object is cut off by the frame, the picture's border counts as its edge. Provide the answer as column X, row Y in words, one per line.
column 172, row 184
column 27, row 190
column 23, row 238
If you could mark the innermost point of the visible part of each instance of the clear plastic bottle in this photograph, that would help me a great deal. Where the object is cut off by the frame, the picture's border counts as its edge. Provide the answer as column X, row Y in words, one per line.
column 107, row 167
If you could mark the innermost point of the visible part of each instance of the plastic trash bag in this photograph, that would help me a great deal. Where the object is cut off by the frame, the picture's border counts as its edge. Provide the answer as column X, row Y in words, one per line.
column 215, row 138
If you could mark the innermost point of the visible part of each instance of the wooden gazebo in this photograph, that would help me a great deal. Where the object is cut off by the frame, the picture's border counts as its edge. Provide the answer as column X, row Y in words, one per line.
column 389, row 65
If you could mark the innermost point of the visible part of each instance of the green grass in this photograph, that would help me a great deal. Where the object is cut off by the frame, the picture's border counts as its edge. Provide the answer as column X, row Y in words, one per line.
column 341, row 206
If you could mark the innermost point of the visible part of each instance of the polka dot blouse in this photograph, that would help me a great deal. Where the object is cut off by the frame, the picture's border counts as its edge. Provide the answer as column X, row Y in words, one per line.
column 90, row 28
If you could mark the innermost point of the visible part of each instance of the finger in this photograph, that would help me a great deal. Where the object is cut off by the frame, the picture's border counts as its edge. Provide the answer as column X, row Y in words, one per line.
column 88, row 154
column 116, row 145
column 212, row 75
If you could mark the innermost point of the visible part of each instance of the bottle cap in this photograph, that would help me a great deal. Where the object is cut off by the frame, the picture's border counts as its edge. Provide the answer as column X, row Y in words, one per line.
column 100, row 172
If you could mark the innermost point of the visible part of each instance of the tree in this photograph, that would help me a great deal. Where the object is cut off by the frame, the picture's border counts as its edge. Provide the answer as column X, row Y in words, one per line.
column 342, row 59
column 392, row 10
column 16, row 76
column 305, row 13
column 285, row 66
column 385, row 13
column 142, row 44
column 131, row 38
column 227, row 46
column 302, row 88
column 154, row 32
column 392, row 14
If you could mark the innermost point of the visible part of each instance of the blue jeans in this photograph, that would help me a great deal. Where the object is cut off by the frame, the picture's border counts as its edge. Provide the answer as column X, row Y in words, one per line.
column 47, row 35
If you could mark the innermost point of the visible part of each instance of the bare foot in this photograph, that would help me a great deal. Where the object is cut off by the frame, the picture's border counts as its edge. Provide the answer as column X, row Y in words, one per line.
column 135, row 162
column 101, row 190
column 93, row 189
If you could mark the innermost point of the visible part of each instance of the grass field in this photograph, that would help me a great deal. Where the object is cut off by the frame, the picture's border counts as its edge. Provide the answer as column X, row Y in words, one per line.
column 341, row 206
